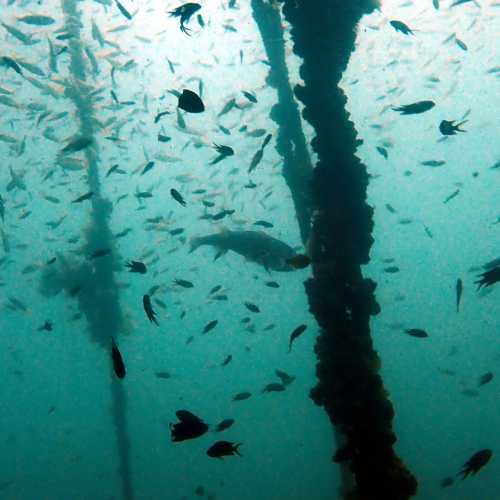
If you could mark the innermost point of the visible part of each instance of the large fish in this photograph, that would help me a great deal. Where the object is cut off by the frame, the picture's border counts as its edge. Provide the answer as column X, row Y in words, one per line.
column 255, row 246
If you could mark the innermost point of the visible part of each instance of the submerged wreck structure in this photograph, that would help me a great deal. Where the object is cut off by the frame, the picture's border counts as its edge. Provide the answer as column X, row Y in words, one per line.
column 333, row 215
column 349, row 386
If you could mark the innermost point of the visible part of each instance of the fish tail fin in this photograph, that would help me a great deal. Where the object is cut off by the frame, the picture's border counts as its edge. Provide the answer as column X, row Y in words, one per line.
column 458, row 125
column 236, row 446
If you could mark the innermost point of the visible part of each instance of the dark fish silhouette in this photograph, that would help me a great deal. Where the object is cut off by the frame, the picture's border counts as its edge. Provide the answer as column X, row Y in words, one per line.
column 118, row 364
column 459, row 288
column 77, row 145
column 451, row 196
column 185, row 12
column 10, row 63
column 285, row 378
column 401, row 27
column 446, row 482
column 415, row 108
column 488, row 278
column 296, row 333
column 485, row 379
column 417, row 332
column 177, row 197
column 189, row 427
column 274, row 387
column 190, row 101
column 251, row 97
column 450, row 128
column 252, row 307
column 136, row 267
column 148, row 308
column 475, row 462
column 224, row 424
column 123, row 10
column 210, row 326
column 183, row 283
column 83, row 197
column 227, row 360
column 223, row 449
column 241, row 396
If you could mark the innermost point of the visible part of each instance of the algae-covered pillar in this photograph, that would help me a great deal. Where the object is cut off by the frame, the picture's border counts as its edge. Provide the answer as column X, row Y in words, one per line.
column 342, row 300
column 97, row 294
column 290, row 142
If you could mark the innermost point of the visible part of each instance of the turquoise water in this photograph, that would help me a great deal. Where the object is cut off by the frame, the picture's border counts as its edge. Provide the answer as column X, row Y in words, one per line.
column 70, row 428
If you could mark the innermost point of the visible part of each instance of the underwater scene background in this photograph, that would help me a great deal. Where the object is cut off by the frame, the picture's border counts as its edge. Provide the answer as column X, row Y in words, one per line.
column 139, row 134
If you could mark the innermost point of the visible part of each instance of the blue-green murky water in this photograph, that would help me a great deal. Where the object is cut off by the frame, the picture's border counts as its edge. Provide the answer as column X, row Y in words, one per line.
column 69, row 426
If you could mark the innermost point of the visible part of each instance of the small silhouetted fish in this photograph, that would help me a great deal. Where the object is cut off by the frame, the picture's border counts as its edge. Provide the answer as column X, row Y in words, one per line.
column 10, row 63
column 417, row 332
column 77, row 145
column 200, row 491
column 177, row 197
column 148, row 167
column 189, row 427
column 224, row 424
column 263, row 223
column 223, row 448
column 210, row 326
column 160, row 115
column 249, row 96
column 37, row 20
column 227, row 360
column 47, row 326
column 415, row 108
column 148, row 308
column 272, row 284
column 274, row 387
column 391, row 269
column 488, row 278
column 256, row 160
column 383, row 152
column 296, row 333
column 485, row 379
column 183, row 283
column 475, row 462
column 284, row 377
column 190, row 101
column 450, row 128
column 451, row 196
column 185, row 12
column 164, row 375
column 136, row 267
column 241, row 396
column 163, row 138
column 402, row 27
column 252, row 307
column 215, row 289
column 458, row 288
column 123, row 10
column 118, row 364
column 446, row 482
column 461, row 44
column 432, row 163
column 83, row 197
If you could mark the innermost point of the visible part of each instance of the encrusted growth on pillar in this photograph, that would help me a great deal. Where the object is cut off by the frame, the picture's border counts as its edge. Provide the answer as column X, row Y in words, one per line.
column 350, row 387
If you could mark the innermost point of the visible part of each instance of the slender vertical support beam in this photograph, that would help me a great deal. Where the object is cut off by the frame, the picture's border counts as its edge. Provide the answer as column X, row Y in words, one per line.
column 98, row 298
column 291, row 143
